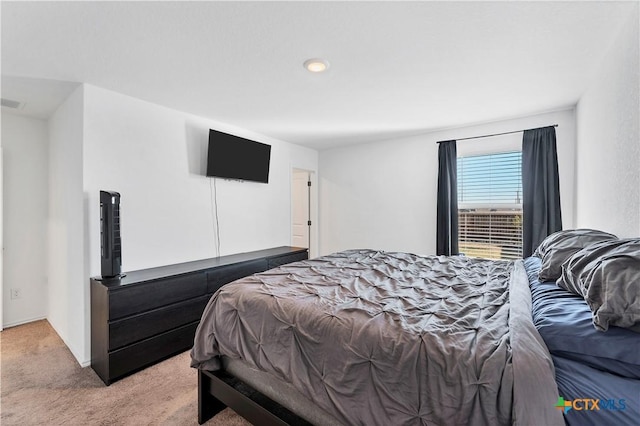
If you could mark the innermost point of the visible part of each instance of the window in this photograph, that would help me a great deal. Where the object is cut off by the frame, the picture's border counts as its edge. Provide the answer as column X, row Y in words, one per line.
column 490, row 205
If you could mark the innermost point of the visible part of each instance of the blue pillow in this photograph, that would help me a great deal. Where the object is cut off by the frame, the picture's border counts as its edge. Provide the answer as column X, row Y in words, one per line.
column 565, row 322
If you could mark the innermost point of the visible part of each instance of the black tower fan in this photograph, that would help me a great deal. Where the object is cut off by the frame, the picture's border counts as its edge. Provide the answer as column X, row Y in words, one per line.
column 111, row 250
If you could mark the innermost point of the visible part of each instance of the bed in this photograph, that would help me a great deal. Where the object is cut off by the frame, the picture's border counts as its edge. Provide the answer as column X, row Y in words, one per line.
column 589, row 364
column 377, row 338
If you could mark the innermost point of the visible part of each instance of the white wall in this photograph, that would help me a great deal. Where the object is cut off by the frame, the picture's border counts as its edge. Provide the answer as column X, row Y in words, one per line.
column 156, row 158
column 25, row 176
column 608, row 129
column 68, row 285
column 382, row 195
column 1, row 233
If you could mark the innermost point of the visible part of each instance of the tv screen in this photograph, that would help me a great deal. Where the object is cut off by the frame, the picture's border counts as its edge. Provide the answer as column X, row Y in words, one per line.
column 233, row 157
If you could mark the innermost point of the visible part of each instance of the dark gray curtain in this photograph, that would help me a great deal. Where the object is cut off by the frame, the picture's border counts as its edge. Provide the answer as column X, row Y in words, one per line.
column 540, row 188
column 447, row 210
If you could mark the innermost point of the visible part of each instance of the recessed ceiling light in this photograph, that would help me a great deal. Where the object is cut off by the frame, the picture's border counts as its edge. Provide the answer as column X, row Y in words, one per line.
column 316, row 65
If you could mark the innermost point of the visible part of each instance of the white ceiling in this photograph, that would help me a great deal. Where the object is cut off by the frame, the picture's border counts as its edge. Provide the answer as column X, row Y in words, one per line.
column 396, row 68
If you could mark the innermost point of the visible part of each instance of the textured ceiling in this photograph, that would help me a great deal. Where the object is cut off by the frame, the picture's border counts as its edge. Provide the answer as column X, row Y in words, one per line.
column 396, row 68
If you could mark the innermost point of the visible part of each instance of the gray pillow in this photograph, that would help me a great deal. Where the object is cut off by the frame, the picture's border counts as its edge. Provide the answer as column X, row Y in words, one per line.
column 561, row 245
column 607, row 275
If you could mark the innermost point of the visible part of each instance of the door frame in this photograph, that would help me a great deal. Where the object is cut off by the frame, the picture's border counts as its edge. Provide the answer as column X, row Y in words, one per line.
column 313, row 209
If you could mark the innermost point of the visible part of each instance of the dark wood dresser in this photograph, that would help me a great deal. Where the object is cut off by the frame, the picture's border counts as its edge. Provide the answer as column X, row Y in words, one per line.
column 152, row 314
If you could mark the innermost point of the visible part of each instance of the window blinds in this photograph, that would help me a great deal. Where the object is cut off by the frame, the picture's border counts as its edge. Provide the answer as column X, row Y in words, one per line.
column 490, row 205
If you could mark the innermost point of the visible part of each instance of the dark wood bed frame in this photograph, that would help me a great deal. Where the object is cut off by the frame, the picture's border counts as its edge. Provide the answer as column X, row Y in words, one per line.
column 219, row 389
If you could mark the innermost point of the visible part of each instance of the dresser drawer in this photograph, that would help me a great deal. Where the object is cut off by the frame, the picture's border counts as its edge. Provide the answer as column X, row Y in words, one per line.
column 134, row 357
column 138, row 327
column 224, row 275
column 154, row 294
column 274, row 262
column 149, row 315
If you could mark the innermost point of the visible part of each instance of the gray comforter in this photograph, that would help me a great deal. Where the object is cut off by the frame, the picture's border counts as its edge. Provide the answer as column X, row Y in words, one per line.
column 378, row 338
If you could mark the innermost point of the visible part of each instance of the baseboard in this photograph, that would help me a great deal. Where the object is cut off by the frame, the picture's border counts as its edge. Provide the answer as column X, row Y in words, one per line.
column 21, row 322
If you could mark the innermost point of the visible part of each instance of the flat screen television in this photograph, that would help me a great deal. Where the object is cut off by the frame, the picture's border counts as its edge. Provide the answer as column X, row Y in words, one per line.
column 233, row 157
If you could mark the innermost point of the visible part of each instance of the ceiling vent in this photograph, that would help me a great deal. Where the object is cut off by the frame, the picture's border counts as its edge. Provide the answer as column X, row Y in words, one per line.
column 11, row 104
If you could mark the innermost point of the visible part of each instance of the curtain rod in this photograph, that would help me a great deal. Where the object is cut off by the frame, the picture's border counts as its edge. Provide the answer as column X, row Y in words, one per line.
column 498, row 134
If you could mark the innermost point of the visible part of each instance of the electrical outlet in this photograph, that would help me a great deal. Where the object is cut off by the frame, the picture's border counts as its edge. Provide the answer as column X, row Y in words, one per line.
column 16, row 293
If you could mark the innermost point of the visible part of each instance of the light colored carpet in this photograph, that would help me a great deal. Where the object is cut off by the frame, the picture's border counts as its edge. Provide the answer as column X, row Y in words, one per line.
column 42, row 384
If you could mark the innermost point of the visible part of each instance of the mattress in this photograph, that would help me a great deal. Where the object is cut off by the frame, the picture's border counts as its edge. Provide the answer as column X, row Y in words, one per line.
column 390, row 338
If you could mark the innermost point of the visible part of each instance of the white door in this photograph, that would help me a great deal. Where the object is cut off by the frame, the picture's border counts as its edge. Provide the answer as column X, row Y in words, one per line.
column 300, row 209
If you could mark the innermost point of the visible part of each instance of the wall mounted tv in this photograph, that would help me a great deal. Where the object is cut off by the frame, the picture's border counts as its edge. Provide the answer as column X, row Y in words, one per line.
column 233, row 157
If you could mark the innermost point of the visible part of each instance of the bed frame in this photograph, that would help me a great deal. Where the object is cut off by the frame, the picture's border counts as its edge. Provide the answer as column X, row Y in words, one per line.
column 219, row 389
